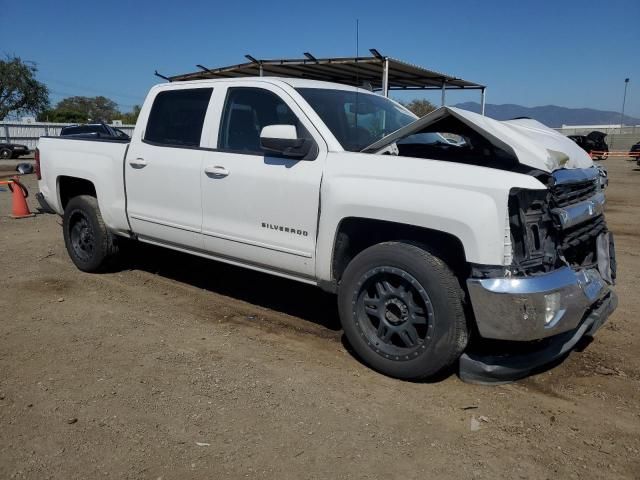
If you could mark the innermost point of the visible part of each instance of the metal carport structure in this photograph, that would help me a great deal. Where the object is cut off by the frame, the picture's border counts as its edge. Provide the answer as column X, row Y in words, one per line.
column 378, row 72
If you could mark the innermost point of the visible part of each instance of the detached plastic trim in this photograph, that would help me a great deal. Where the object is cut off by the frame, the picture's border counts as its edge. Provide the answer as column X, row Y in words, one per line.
column 44, row 206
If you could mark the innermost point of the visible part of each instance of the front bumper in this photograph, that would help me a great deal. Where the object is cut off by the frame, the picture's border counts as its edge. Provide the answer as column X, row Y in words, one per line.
column 487, row 369
column 536, row 307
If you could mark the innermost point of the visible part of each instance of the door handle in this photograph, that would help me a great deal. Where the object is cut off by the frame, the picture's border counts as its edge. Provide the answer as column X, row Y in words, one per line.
column 138, row 163
column 216, row 171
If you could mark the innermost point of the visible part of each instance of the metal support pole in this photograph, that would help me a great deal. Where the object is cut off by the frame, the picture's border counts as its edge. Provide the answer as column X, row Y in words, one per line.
column 624, row 100
column 385, row 77
column 444, row 93
column 6, row 133
column 261, row 72
column 482, row 100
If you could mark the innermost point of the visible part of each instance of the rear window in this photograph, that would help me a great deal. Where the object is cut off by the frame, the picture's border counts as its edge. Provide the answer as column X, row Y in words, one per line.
column 82, row 129
column 177, row 117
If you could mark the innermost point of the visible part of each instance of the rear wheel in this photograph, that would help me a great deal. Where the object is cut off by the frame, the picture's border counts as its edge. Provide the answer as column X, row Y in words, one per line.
column 89, row 243
column 401, row 310
column 5, row 154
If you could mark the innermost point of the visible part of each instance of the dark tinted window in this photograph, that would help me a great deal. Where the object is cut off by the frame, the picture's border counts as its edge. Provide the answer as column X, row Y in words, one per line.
column 83, row 129
column 177, row 116
column 120, row 133
column 246, row 112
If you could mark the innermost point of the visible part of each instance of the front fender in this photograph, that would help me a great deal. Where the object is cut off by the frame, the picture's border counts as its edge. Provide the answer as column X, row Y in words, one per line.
column 466, row 201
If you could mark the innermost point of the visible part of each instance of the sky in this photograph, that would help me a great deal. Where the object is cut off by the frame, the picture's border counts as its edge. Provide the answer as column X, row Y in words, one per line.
column 568, row 53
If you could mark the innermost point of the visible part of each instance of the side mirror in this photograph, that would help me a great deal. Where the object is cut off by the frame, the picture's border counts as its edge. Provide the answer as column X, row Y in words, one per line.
column 283, row 140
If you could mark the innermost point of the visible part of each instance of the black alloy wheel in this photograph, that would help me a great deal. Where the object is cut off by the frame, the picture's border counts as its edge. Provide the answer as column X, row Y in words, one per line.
column 90, row 244
column 82, row 236
column 394, row 313
column 401, row 307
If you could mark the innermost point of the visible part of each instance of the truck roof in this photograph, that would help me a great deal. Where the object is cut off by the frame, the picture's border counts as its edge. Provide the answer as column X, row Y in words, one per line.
column 293, row 82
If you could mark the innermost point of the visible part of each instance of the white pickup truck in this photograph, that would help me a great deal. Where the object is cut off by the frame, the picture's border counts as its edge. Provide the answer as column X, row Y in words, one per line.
column 436, row 233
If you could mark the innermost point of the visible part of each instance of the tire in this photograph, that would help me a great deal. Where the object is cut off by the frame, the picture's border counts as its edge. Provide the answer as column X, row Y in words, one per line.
column 5, row 154
column 401, row 309
column 90, row 245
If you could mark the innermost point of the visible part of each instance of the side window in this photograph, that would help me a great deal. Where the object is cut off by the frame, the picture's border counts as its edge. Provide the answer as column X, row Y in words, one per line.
column 177, row 117
column 246, row 112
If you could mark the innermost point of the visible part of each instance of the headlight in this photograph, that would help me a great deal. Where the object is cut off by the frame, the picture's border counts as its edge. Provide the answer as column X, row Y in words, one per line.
column 603, row 179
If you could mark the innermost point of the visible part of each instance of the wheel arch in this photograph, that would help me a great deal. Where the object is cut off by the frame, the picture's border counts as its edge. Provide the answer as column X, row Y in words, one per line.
column 355, row 234
column 69, row 187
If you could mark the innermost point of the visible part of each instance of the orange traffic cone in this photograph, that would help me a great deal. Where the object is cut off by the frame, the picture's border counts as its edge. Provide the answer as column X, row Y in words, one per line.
column 20, row 209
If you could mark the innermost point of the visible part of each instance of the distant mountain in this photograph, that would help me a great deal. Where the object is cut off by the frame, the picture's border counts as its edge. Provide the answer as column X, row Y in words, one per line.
column 551, row 115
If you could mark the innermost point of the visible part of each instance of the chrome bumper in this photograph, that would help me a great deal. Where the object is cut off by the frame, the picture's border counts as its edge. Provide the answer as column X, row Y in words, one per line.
column 531, row 308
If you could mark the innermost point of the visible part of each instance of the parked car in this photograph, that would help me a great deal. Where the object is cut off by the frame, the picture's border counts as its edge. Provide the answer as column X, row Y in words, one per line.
column 430, row 247
column 99, row 130
column 13, row 150
column 593, row 142
column 634, row 152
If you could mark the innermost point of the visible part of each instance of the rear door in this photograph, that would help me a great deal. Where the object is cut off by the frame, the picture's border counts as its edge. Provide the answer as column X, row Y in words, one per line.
column 259, row 208
column 163, row 169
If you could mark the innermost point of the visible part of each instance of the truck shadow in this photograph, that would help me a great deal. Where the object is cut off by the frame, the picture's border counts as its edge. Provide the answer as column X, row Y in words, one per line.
column 275, row 293
column 306, row 302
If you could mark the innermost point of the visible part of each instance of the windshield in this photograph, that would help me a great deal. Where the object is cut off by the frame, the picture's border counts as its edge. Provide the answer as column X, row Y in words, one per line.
column 356, row 119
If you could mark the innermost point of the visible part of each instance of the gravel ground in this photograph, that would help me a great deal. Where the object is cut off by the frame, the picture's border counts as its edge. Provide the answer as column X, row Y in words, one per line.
column 177, row 367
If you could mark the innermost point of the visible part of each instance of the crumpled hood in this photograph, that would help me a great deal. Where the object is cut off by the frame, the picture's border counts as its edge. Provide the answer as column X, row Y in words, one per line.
column 531, row 142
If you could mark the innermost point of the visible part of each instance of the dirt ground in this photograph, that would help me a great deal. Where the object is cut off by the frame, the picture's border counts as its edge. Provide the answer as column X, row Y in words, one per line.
column 177, row 367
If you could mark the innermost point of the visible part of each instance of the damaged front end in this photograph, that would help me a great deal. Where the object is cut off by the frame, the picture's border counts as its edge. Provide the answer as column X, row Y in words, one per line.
column 557, row 288
column 561, row 226
column 554, row 285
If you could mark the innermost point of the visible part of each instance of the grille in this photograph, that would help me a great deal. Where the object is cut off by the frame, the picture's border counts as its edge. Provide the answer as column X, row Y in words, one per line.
column 583, row 233
column 578, row 244
column 569, row 193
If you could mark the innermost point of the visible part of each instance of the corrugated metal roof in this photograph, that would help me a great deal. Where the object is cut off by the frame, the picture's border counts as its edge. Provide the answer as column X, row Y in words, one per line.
column 356, row 71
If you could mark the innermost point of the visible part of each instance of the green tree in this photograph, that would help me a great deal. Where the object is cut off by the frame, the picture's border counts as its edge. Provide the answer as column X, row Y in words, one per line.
column 131, row 117
column 20, row 92
column 62, row 116
column 419, row 106
column 94, row 109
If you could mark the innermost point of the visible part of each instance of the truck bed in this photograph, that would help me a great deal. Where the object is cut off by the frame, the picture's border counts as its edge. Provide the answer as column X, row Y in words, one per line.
column 98, row 160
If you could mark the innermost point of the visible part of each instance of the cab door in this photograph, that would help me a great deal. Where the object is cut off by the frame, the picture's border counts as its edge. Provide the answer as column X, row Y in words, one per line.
column 258, row 208
column 163, row 167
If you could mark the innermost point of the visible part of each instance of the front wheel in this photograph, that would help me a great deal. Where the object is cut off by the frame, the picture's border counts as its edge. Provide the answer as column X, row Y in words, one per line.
column 89, row 243
column 401, row 308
